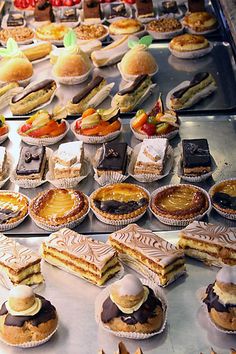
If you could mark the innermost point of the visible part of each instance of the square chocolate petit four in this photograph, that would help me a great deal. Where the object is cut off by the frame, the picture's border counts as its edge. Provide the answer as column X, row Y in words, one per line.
column 196, row 157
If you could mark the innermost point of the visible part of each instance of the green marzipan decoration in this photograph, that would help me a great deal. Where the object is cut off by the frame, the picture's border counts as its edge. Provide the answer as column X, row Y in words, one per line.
column 70, row 39
column 11, row 49
column 146, row 40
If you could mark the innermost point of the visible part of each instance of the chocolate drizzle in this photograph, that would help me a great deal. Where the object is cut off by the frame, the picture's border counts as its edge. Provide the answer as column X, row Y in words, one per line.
column 146, row 311
column 224, row 200
column 198, row 78
column 136, row 83
column 120, row 208
column 6, row 214
column 46, row 313
column 83, row 93
column 45, row 84
column 212, row 301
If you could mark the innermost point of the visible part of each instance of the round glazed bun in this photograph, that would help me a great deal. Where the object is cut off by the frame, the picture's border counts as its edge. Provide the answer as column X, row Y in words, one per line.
column 138, row 61
column 15, row 69
column 200, row 21
column 71, row 65
column 188, row 42
column 125, row 26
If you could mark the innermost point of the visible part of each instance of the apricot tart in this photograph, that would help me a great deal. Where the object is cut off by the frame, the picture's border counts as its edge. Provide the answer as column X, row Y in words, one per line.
column 58, row 207
column 13, row 207
column 120, row 201
column 223, row 196
column 179, row 202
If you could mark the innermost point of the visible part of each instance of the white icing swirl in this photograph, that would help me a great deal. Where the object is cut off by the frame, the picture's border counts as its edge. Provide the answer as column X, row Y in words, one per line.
column 227, row 275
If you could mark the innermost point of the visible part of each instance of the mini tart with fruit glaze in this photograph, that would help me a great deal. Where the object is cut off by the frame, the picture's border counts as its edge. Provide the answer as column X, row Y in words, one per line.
column 13, row 207
column 179, row 202
column 58, row 207
column 120, row 201
column 52, row 32
column 223, row 196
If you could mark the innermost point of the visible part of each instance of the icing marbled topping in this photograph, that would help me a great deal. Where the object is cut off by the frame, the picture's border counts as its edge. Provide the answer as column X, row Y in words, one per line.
column 211, row 233
column 147, row 243
column 92, row 251
column 14, row 255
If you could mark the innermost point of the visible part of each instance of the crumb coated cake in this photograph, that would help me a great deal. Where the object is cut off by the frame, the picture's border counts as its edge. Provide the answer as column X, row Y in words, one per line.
column 150, row 250
column 211, row 243
column 18, row 263
column 90, row 259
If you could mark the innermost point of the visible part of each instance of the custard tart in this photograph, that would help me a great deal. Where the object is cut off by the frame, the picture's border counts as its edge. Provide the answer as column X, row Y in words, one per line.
column 13, row 207
column 120, row 201
column 179, row 202
column 58, row 207
column 223, row 196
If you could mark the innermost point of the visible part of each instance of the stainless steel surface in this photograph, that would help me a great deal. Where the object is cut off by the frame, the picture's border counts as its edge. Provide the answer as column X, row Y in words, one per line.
column 219, row 131
column 187, row 332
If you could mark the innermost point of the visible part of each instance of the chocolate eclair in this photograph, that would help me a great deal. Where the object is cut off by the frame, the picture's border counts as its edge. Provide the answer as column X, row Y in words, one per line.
column 201, row 86
column 32, row 97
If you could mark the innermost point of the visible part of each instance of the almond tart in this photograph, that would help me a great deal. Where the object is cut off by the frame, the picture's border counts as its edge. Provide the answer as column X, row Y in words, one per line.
column 58, row 207
column 13, row 207
column 120, row 201
column 180, row 202
column 223, row 196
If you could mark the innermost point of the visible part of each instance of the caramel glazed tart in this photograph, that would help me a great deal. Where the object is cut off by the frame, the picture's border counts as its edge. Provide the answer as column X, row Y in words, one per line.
column 76, row 213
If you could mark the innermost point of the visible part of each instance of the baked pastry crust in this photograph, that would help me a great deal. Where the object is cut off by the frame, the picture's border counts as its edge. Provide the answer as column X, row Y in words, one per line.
column 200, row 21
column 52, row 31
column 125, row 26
column 227, row 187
column 188, row 42
column 58, row 206
column 86, row 32
column 127, row 192
column 18, row 34
column 16, row 202
column 180, row 202
column 165, row 24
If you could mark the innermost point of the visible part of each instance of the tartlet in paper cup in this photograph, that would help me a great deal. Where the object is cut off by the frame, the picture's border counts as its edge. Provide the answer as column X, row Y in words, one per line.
column 203, row 33
column 151, row 177
column 196, row 179
column 131, row 335
column 165, row 35
column 194, row 54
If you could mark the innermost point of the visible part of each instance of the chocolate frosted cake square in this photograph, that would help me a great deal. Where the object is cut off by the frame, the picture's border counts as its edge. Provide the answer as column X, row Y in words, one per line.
column 92, row 10
column 113, row 158
column 117, row 10
column 31, row 163
column 144, row 8
column 69, row 15
column 196, row 157
column 15, row 19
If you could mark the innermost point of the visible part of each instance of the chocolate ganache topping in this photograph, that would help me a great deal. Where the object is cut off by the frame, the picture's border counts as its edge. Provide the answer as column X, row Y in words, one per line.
column 119, row 208
column 146, row 311
column 198, row 78
column 224, row 200
column 212, row 301
column 46, row 313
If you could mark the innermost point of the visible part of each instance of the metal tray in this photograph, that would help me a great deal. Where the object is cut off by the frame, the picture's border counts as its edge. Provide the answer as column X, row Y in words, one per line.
column 219, row 131
column 187, row 331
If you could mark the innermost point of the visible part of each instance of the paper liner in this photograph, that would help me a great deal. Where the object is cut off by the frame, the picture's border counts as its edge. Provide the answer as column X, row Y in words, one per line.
column 132, row 335
column 73, row 80
column 6, row 98
column 30, row 344
column 137, row 34
column 5, row 26
column 96, row 139
column 119, row 222
column 43, row 141
column 189, row 30
column 199, row 178
column 110, row 177
column 165, row 35
column 150, row 177
column 27, row 41
column 128, row 77
column 207, row 91
column 70, row 225
column 101, row 38
column 7, row 169
column 222, row 213
column 183, row 222
column 4, row 137
column 192, row 54
column 141, row 136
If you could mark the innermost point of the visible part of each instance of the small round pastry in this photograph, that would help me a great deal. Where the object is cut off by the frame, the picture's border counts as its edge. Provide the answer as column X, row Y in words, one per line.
column 132, row 307
column 188, row 43
column 221, row 299
column 125, row 26
column 223, row 195
column 26, row 317
column 200, row 21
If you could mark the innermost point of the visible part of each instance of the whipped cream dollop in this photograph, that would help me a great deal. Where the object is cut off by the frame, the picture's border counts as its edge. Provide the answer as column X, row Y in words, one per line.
column 20, row 293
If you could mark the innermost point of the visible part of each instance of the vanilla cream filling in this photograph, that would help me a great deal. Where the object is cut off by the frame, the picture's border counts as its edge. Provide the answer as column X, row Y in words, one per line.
column 137, row 306
column 224, row 297
column 31, row 311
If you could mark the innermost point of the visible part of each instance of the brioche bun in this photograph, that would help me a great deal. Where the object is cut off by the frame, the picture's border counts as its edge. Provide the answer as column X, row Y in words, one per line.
column 138, row 61
column 71, row 65
column 15, row 69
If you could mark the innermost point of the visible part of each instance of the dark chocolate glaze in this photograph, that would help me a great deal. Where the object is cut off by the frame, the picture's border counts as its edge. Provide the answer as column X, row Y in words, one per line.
column 13, row 22
column 83, row 93
column 169, row 7
column 30, row 160
column 113, row 157
column 224, row 200
column 45, row 84
column 196, row 153
column 146, row 311
column 199, row 77
column 6, row 214
column 137, row 82
column 212, row 301
column 91, row 9
column 46, row 313
column 144, row 7
column 120, row 208
column 117, row 10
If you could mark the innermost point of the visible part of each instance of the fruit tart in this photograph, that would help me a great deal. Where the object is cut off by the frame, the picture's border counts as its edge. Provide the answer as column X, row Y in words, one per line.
column 156, row 123
column 56, row 208
column 13, row 209
column 97, row 126
column 43, row 128
column 4, row 129
column 223, row 195
column 119, row 203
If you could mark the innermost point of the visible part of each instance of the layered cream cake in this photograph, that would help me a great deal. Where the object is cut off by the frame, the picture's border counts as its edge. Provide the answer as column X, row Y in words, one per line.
column 68, row 160
column 210, row 243
column 90, row 259
column 151, row 157
column 18, row 263
column 3, row 159
column 150, row 250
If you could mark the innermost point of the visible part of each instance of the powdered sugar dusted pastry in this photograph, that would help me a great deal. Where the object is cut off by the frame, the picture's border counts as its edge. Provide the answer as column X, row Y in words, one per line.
column 211, row 243
column 150, row 250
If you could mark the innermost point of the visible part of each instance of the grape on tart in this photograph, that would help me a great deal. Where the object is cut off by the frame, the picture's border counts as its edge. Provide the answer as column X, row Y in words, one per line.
column 119, row 201
column 223, row 196
column 13, row 207
column 58, row 207
column 179, row 202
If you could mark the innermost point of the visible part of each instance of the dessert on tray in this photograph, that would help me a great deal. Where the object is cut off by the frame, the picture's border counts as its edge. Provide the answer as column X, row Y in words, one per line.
column 91, row 96
column 58, row 207
column 4, row 129
column 20, row 34
column 31, row 163
column 123, row 350
column 91, row 11
column 68, row 15
column 37, row 51
column 165, row 26
column 117, row 10
column 191, row 92
column 132, row 307
column 27, row 318
column 151, row 157
column 52, row 32
column 7, row 91
column 89, row 32
column 220, row 299
column 43, row 11
column 189, row 46
column 13, row 207
column 200, row 21
column 144, row 8
column 33, row 96
column 211, row 243
column 85, row 257
column 15, row 19
column 223, row 195
column 125, row 26
column 148, row 253
column 113, row 158
column 19, row 264
column 169, row 7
